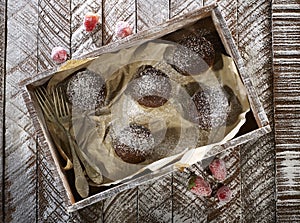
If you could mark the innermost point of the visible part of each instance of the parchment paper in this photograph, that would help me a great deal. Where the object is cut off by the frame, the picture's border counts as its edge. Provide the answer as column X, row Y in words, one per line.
column 178, row 138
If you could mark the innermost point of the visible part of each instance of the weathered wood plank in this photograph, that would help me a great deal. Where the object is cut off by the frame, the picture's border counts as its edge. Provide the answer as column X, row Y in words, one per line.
column 155, row 200
column 54, row 20
column 83, row 42
column 90, row 214
column 257, row 157
column 121, row 10
column 20, row 149
column 53, row 30
column 286, row 66
column 2, row 95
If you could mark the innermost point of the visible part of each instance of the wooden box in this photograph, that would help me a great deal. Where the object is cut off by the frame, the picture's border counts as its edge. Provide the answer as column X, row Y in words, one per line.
column 255, row 126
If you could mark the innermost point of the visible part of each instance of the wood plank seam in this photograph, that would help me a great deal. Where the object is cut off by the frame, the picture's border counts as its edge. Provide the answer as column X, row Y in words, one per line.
column 254, row 42
column 19, row 144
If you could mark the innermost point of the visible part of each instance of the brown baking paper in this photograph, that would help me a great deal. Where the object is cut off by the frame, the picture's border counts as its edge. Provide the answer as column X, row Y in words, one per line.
column 179, row 140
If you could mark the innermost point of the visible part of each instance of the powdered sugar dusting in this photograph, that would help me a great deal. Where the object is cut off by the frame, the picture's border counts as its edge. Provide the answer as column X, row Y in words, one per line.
column 86, row 90
column 137, row 137
column 212, row 107
column 150, row 88
column 193, row 56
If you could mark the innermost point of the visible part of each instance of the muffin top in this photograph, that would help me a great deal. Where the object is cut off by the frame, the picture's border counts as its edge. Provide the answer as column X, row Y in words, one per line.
column 86, row 90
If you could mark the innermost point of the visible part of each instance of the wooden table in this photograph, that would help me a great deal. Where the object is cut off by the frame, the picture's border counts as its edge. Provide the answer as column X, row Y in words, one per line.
column 264, row 174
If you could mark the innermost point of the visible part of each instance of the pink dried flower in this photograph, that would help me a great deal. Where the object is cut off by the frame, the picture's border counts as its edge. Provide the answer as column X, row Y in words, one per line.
column 123, row 29
column 199, row 186
column 224, row 194
column 218, row 169
column 90, row 21
column 59, row 54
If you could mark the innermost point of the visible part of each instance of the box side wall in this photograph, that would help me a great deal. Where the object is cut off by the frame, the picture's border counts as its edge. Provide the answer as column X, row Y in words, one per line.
column 45, row 140
column 231, row 48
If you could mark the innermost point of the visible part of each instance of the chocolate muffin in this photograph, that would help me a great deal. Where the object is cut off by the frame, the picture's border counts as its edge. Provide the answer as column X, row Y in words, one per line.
column 86, row 90
column 133, row 144
column 150, row 87
column 194, row 55
column 212, row 107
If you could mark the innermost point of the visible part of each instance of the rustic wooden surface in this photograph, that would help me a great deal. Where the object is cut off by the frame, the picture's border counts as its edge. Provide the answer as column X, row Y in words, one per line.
column 260, row 172
column 286, row 65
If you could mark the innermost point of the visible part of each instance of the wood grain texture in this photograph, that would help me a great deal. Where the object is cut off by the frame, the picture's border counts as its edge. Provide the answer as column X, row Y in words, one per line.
column 121, row 207
column 151, row 13
column 286, row 66
column 2, row 95
column 180, row 7
column 155, row 200
column 83, row 42
column 257, row 157
column 114, row 11
column 90, row 214
column 53, row 30
column 20, row 148
column 51, row 194
column 229, row 12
